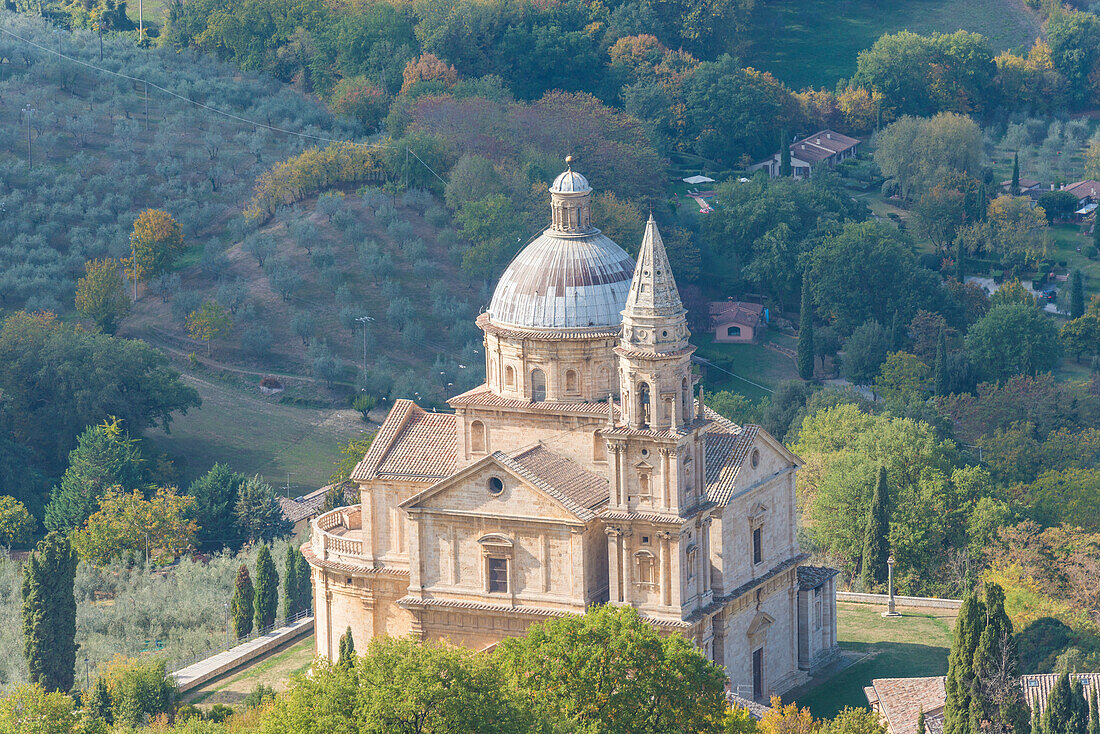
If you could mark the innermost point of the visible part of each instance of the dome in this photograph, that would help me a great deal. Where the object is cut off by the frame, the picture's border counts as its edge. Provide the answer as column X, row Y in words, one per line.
column 564, row 282
column 570, row 182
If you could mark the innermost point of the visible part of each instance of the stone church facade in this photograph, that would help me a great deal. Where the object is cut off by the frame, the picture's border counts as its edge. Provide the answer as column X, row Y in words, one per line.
column 584, row 471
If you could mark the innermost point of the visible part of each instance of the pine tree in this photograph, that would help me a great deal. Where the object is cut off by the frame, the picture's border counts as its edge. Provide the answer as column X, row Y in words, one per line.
column 960, row 662
column 98, row 702
column 291, row 601
column 347, row 650
column 806, row 335
column 1016, row 173
column 267, row 589
column 921, row 729
column 243, row 604
column 943, row 383
column 49, row 613
column 1077, row 295
column 305, row 585
column 876, row 536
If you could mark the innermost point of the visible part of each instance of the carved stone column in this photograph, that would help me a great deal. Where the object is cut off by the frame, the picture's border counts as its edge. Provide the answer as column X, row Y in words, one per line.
column 666, row 476
column 614, row 592
column 664, row 588
column 628, row 566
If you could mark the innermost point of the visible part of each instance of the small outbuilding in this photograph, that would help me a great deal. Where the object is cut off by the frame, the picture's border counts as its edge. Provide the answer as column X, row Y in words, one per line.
column 737, row 322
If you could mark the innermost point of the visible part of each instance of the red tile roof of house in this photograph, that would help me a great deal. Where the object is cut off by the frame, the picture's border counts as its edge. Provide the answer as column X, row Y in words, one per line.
column 902, row 699
column 580, row 490
column 821, row 146
column 1084, row 189
column 735, row 312
column 411, row 444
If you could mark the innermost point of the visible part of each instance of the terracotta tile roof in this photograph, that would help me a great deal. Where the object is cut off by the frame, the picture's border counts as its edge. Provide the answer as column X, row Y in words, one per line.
column 902, row 699
column 483, row 396
column 580, row 490
column 1083, row 189
column 726, row 453
column 1037, row 687
column 811, row 577
column 379, row 570
column 605, row 332
column 309, row 505
column 821, row 145
column 735, row 312
column 411, row 444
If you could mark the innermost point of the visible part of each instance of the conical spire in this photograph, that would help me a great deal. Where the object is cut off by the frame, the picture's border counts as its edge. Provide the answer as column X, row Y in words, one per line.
column 653, row 291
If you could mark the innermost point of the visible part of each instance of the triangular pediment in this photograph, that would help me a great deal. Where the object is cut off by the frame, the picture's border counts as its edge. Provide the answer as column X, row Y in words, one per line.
column 760, row 624
column 495, row 485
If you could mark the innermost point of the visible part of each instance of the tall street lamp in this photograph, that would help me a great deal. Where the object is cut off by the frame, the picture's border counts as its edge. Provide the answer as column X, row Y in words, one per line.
column 891, row 610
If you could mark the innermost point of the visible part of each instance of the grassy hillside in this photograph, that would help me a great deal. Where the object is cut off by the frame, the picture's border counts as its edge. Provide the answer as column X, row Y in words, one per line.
column 815, row 42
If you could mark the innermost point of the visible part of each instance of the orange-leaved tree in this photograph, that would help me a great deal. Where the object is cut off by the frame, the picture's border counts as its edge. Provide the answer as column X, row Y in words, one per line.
column 155, row 243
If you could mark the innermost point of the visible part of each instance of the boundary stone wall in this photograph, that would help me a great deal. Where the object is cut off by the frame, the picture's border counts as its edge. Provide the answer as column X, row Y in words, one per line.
column 901, row 601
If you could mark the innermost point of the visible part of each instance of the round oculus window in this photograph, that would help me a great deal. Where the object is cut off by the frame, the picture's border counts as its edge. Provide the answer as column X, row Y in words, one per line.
column 755, row 458
column 496, row 486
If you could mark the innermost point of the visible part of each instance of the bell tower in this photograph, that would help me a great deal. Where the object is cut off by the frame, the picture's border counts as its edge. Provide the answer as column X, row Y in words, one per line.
column 654, row 354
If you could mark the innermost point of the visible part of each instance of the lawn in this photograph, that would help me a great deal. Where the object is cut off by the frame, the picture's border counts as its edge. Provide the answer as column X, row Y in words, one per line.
column 257, row 435
column 916, row 644
column 815, row 42
column 738, row 366
column 275, row 670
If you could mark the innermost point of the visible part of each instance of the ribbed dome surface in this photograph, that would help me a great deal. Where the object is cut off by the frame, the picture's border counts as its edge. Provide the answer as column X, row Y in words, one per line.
column 565, row 282
column 570, row 182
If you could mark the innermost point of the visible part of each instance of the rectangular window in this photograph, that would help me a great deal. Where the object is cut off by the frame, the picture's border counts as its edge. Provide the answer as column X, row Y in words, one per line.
column 758, row 545
column 498, row 575
column 758, row 674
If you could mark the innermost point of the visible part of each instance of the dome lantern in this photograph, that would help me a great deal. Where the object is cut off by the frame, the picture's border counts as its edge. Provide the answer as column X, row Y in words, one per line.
column 570, row 202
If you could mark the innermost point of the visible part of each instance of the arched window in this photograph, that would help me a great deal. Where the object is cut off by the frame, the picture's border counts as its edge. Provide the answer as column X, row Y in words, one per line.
column 538, row 385
column 643, row 486
column 571, row 381
column 643, row 403
column 477, row 437
column 509, row 377
column 644, row 564
column 603, row 380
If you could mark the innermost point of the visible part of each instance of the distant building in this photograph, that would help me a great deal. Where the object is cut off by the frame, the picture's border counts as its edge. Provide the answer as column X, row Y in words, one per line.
column 737, row 322
column 300, row 510
column 1026, row 185
column 900, row 700
column 825, row 148
column 1087, row 192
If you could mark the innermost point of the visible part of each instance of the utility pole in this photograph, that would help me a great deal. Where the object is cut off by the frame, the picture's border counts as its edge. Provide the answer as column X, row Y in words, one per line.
column 60, row 82
column 288, row 485
column 147, row 105
column 364, row 320
column 141, row 24
column 28, row 112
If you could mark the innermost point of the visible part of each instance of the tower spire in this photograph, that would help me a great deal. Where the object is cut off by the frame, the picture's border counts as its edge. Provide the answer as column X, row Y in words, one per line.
column 653, row 292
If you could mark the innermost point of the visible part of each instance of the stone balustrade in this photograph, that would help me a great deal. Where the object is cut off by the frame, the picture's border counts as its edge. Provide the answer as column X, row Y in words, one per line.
column 334, row 534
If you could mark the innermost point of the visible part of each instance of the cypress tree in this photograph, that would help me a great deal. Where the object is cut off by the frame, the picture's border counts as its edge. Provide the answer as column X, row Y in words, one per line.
column 1079, row 708
column 943, row 383
column 1056, row 718
column 243, row 604
column 267, row 589
column 49, row 613
column 876, row 535
column 305, row 586
column 1036, row 720
column 960, row 666
column 1094, row 714
column 1016, row 173
column 920, row 722
column 785, row 155
column 1077, row 295
column 896, row 335
column 960, row 260
column 805, row 356
column 98, row 702
column 347, row 650
column 291, row 601
column 1096, row 231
